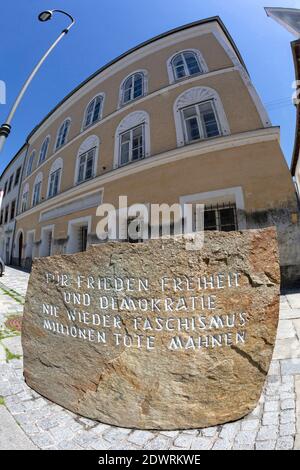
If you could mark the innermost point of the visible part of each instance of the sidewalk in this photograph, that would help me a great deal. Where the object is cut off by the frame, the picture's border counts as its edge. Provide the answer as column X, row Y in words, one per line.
column 29, row 421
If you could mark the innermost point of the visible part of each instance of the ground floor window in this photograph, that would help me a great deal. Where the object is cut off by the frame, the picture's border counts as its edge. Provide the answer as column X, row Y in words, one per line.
column 220, row 217
column 83, row 235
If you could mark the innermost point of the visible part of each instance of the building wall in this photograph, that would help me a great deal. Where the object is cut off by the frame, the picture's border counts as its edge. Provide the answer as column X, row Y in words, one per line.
column 7, row 229
column 244, row 165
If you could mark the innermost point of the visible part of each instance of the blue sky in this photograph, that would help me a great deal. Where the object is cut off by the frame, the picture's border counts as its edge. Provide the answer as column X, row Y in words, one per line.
column 105, row 29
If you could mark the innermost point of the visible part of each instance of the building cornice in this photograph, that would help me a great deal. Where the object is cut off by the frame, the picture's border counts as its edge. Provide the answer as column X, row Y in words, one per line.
column 192, row 150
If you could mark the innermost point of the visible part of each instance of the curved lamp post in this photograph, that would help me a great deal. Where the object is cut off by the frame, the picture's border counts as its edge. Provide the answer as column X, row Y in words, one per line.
column 44, row 16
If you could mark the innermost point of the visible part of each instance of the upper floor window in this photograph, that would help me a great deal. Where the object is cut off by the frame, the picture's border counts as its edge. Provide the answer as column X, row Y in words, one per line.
column 62, row 134
column 86, row 165
column 1, row 216
column 199, row 114
column 133, row 87
column 6, row 214
column 24, row 201
column 12, row 209
column 132, row 145
column 186, row 64
column 37, row 190
column 5, row 189
column 55, row 178
column 44, row 150
column 10, row 183
column 132, row 139
column 94, row 111
column 30, row 163
column 17, row 178
column 200, row 121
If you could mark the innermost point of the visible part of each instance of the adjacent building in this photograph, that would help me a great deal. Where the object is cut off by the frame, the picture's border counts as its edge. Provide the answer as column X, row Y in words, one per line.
column 10, row 182
column 176, row 119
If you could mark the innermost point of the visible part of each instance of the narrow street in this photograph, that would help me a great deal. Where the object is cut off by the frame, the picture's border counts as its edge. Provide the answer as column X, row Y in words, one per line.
column 29, row 421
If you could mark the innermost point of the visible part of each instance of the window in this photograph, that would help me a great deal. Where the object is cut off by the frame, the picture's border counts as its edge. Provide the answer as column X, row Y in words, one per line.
column 30, row 163
column 36, row 193
column 185, row 64
column 133, row 87
column 54, row 183
column 83, row 235
column 221, row 218
column 132, row 146
column 1, row 217
column 62, row 134
column 24, row 202
column 18, row 174
column 6, row 214
column 86, row 165
column 10, row 183
column 44, row 150
column 5, row 189
column 200, row 121
column 93, row 112
column 12, row 209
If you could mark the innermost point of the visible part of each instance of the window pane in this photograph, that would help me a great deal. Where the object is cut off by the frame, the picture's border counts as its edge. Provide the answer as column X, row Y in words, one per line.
column 89, row 114
column 137, row 143
column 97, row 109
column 192, row 63
column 138, row 86
column 192, row 127
column 124, row 153
column 178, row 66
column 227, row 219
column 89, row 165
column 127, row 90
column 81, row 168
column 208, row 117
column 210, row 220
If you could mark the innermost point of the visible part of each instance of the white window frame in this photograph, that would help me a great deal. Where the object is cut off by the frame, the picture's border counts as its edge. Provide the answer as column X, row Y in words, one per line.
column 129, row 122
column 43, row 152
column 58, row 164
column 58, row 144
column 199, row 121
column 38, row 180
column 24, row 192
column 70, row 248
column 144, row 74
column 47, row 228
column 30, row 162
column 130, row 131
column 194, row 96
column 27, row 254
column 89, row 143
column 200, row 59
column 86, row 126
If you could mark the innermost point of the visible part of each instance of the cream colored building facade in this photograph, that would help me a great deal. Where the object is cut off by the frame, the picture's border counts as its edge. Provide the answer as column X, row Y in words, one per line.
column 176, row 119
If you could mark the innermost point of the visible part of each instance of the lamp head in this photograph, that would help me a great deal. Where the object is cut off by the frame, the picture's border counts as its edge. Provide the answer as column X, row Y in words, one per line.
column 45, row 15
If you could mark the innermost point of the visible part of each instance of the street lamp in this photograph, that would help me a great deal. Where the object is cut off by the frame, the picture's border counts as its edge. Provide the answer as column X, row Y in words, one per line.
column 44, row 16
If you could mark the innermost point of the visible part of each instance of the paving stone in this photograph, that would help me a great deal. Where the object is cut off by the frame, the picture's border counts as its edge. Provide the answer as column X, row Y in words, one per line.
column 116, row 434
column 271, row 418
column 229, row 430
column 288, row 405
column 271, row 406
column 13, row 344
column 140, row 437
column 170, row 433
column 158, row 443
column 61, row 433
column 43, row 440
column 290, row 366
column 14, row 438
column 209, row 432
column 287, row 429
column 265, row 445
column 274, row 368
column 267, row 433
column 184, row 441
column 285, row 443
column 250, row 424
column 222, row 444
column 243, row 446
column 202, row 443
column 285, row 329
column 287, row 416
column 245, row 437
column 68, row 445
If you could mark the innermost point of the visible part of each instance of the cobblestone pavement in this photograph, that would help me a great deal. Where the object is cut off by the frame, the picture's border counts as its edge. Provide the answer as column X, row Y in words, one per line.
column 28, row 420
